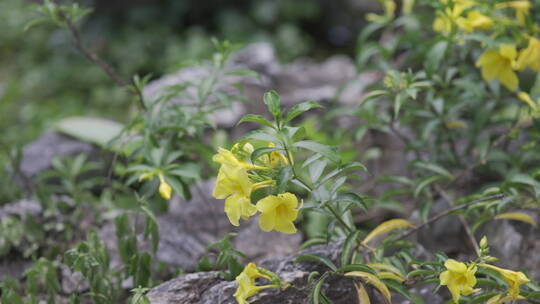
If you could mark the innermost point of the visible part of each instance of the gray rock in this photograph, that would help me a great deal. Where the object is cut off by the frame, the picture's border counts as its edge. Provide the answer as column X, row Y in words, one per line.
column 516, row 245
column 189, row 227
column 38, row 155
column 299, row 81
column 14, row 267
column 21, row 209
column 208, row 288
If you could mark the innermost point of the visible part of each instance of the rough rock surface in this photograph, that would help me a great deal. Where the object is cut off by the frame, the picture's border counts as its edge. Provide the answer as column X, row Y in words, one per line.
column 299, row 81
column 208, row 288
column 516, row 245
column 190, row 226
column 38, row 155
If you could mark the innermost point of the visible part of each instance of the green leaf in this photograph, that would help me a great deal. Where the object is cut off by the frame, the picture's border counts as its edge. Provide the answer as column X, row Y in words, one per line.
column 317, row 296
column 142, row 272
column 272, row 101
column 316, row 259
column 299, row 109
column 244, row 72
column 398, row 101
column 433, row 168
column 313, row 242
column 374, row 94
column 326, row 151
column 179, row 187
column 186, row 171
column 316, row 169
column 353, row 198
column 95, row 130
column 355, row 267
column 284, row 177
column 399, row 288
column 152, row 227
column 435, row 56
column 256, row 119
column 262, row 151
column 348, row 247
column 426, row 182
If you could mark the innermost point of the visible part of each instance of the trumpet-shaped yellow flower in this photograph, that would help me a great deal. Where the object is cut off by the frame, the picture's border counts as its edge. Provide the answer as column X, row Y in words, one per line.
column 226, row 157
column 446, row 19
column 233, row 184
column 514, row 279
column 246, row 283
column 497, row 64
column 278, row 212
column 459, row 278
column 529, row 57
column 522, row 8
column 474, row 20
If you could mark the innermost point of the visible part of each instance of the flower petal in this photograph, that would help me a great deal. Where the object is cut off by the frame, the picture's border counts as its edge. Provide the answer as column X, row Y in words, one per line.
column 455, row 266
column 267, row 220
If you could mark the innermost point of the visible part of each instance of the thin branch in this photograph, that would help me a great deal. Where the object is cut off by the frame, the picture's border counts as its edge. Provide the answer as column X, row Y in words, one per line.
column 77, row 42
column 462, row 219
column 447, row 212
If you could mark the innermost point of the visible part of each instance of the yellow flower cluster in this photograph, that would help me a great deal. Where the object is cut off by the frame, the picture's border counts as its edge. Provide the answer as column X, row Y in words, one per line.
column 235, row 184
column 461, row 279
column 246, row 282
column 503, row 63
column 452, row 17
column 506, row 60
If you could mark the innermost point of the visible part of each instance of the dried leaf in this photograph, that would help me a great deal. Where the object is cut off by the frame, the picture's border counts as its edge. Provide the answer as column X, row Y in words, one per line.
column 363, row 297
column 517, row 216
column 387, row 227
column 373, row 280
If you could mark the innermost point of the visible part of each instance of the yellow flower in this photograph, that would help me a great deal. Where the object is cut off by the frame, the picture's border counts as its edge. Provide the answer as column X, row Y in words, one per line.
column 522, row 8
column 498, row 299
column 514, row 279
column 389, row 7
column 459, row 278
column 530, row 56
column 446, row 19
column 233, row 184
column 274, row 159
column 246, row 283
column 226, row 157
column 278, row 212
column 407, row 7
column 475, row 20
column 498, row 64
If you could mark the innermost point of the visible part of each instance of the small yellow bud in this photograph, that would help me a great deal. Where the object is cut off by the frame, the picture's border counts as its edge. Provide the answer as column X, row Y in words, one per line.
column 484, row 242
column 165, row 189
column 491, row 259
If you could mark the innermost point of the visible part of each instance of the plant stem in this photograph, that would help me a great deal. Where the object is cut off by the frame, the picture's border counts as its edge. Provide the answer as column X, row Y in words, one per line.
column 447, row 212
column 295, row 175
column 338, row 218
